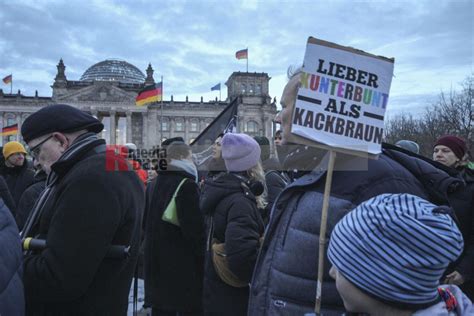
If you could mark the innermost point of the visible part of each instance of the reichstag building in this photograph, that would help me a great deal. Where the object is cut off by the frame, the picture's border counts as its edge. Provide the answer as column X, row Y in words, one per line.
column 108, row 90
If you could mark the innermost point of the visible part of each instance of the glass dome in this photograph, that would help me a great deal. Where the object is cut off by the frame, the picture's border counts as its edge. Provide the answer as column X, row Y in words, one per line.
column 114, row 70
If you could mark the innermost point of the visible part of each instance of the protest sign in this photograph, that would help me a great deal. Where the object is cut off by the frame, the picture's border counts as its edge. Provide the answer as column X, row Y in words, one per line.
column 342, row 98
column 340, row 106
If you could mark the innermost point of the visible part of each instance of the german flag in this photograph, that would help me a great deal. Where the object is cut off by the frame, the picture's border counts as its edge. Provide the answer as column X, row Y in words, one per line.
column 149, row 94
column 242, row 54
column 10, row 130
column 7, row 79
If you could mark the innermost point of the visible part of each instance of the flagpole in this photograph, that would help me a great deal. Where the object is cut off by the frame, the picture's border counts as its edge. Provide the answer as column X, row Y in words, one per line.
column 11, row 85
column 161, row 118
column 247, row 59
column 219, row 91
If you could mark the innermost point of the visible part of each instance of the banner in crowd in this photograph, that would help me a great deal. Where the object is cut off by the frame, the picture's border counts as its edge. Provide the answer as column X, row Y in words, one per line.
column 343, row 97
column 225, row 122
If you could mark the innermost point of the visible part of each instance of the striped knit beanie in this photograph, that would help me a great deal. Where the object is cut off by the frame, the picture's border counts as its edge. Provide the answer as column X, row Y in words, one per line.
column 396, row 247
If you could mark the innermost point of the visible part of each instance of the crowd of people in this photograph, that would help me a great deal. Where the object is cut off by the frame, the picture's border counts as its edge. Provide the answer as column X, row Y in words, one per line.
column 237, row 236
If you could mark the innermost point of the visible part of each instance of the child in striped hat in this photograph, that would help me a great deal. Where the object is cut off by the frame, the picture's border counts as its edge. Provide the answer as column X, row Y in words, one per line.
column 389, row 254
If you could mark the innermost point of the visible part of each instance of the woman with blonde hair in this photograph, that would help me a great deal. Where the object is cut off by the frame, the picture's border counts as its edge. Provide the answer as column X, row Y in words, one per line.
column 231, row 203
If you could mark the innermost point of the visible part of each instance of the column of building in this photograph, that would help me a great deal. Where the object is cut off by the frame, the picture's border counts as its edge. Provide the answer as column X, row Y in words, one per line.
column 113, row 127
column 152, row 128
column 129, row 126
column 186, row 129
column 145, row 129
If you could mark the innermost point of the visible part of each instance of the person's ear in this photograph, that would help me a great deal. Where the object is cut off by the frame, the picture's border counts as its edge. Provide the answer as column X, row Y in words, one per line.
column 62, row 139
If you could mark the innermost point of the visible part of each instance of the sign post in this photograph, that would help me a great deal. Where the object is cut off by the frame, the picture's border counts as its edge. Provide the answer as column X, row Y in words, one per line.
column 340, row 106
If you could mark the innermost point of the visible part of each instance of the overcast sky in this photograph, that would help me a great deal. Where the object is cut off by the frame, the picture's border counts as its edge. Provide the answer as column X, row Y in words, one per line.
column 193, row 43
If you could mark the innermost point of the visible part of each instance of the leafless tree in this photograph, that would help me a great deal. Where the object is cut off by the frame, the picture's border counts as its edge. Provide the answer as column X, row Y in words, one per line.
column 451, row 114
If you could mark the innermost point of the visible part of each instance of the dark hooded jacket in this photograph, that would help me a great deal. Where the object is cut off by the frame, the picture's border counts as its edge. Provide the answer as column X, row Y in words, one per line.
column 284, row 281
column 237, row 223
column 12, row 301
column 90, row 208
column 174, row 255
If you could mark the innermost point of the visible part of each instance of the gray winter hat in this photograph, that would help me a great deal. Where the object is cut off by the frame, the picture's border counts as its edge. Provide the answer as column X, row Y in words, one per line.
column 408, row 145
column 240, row 152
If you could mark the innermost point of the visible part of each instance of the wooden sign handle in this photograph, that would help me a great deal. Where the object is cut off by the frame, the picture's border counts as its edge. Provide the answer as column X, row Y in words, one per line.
column 322, row 230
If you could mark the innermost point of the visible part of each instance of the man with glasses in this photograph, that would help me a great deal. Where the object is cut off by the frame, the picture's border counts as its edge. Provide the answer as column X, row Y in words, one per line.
column 16, row 170
column 84, row 210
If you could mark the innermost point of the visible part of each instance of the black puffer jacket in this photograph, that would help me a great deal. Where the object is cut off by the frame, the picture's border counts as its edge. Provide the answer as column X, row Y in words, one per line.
column 466, row 264
column 447, row 186
column 238, row 223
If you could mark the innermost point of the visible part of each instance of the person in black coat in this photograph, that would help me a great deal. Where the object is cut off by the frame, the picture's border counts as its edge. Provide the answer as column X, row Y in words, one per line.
column 29, row 197
column 16, row 170
column 234, row 219
column 451, row 151
column 174, row 252
column 87, row 207
column 12, row 301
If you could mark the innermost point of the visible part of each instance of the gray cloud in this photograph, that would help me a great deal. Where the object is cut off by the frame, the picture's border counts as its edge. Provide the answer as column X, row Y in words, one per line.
column 192, row 43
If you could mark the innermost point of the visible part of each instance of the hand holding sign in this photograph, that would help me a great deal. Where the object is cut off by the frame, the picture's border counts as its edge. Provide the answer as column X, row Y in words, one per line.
column 340, row 104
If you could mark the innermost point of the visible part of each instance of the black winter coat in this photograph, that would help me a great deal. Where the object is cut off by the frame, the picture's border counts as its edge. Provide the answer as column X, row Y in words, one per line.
column 447, row 186
column 238, row 223
column 29, row 197
column 18, row 179
column 174, row 256
column 466, row 264
column 12, row 301
column 284, row 281
column 90, row 209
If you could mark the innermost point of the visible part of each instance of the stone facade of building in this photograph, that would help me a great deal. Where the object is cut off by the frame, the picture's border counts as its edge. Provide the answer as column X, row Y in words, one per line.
column 108, row 90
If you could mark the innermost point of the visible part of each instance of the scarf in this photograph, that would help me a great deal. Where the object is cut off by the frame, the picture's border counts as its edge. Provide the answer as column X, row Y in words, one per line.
column 80, row 146
column 185, row 165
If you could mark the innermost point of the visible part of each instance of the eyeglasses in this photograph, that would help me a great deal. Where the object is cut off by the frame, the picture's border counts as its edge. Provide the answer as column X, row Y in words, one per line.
column 35, row 151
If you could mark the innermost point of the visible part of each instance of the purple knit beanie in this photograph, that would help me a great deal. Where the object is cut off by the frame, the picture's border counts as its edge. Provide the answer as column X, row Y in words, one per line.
column 239, row 151
column 456, row 144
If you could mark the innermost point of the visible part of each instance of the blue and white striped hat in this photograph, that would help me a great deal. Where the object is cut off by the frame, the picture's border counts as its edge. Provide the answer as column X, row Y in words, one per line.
column 396, row 247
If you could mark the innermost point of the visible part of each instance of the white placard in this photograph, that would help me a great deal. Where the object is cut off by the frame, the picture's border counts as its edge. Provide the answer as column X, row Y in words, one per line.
column 343, row 97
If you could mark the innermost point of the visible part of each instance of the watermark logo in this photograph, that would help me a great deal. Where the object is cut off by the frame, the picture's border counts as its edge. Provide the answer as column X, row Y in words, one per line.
column 120, row 158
